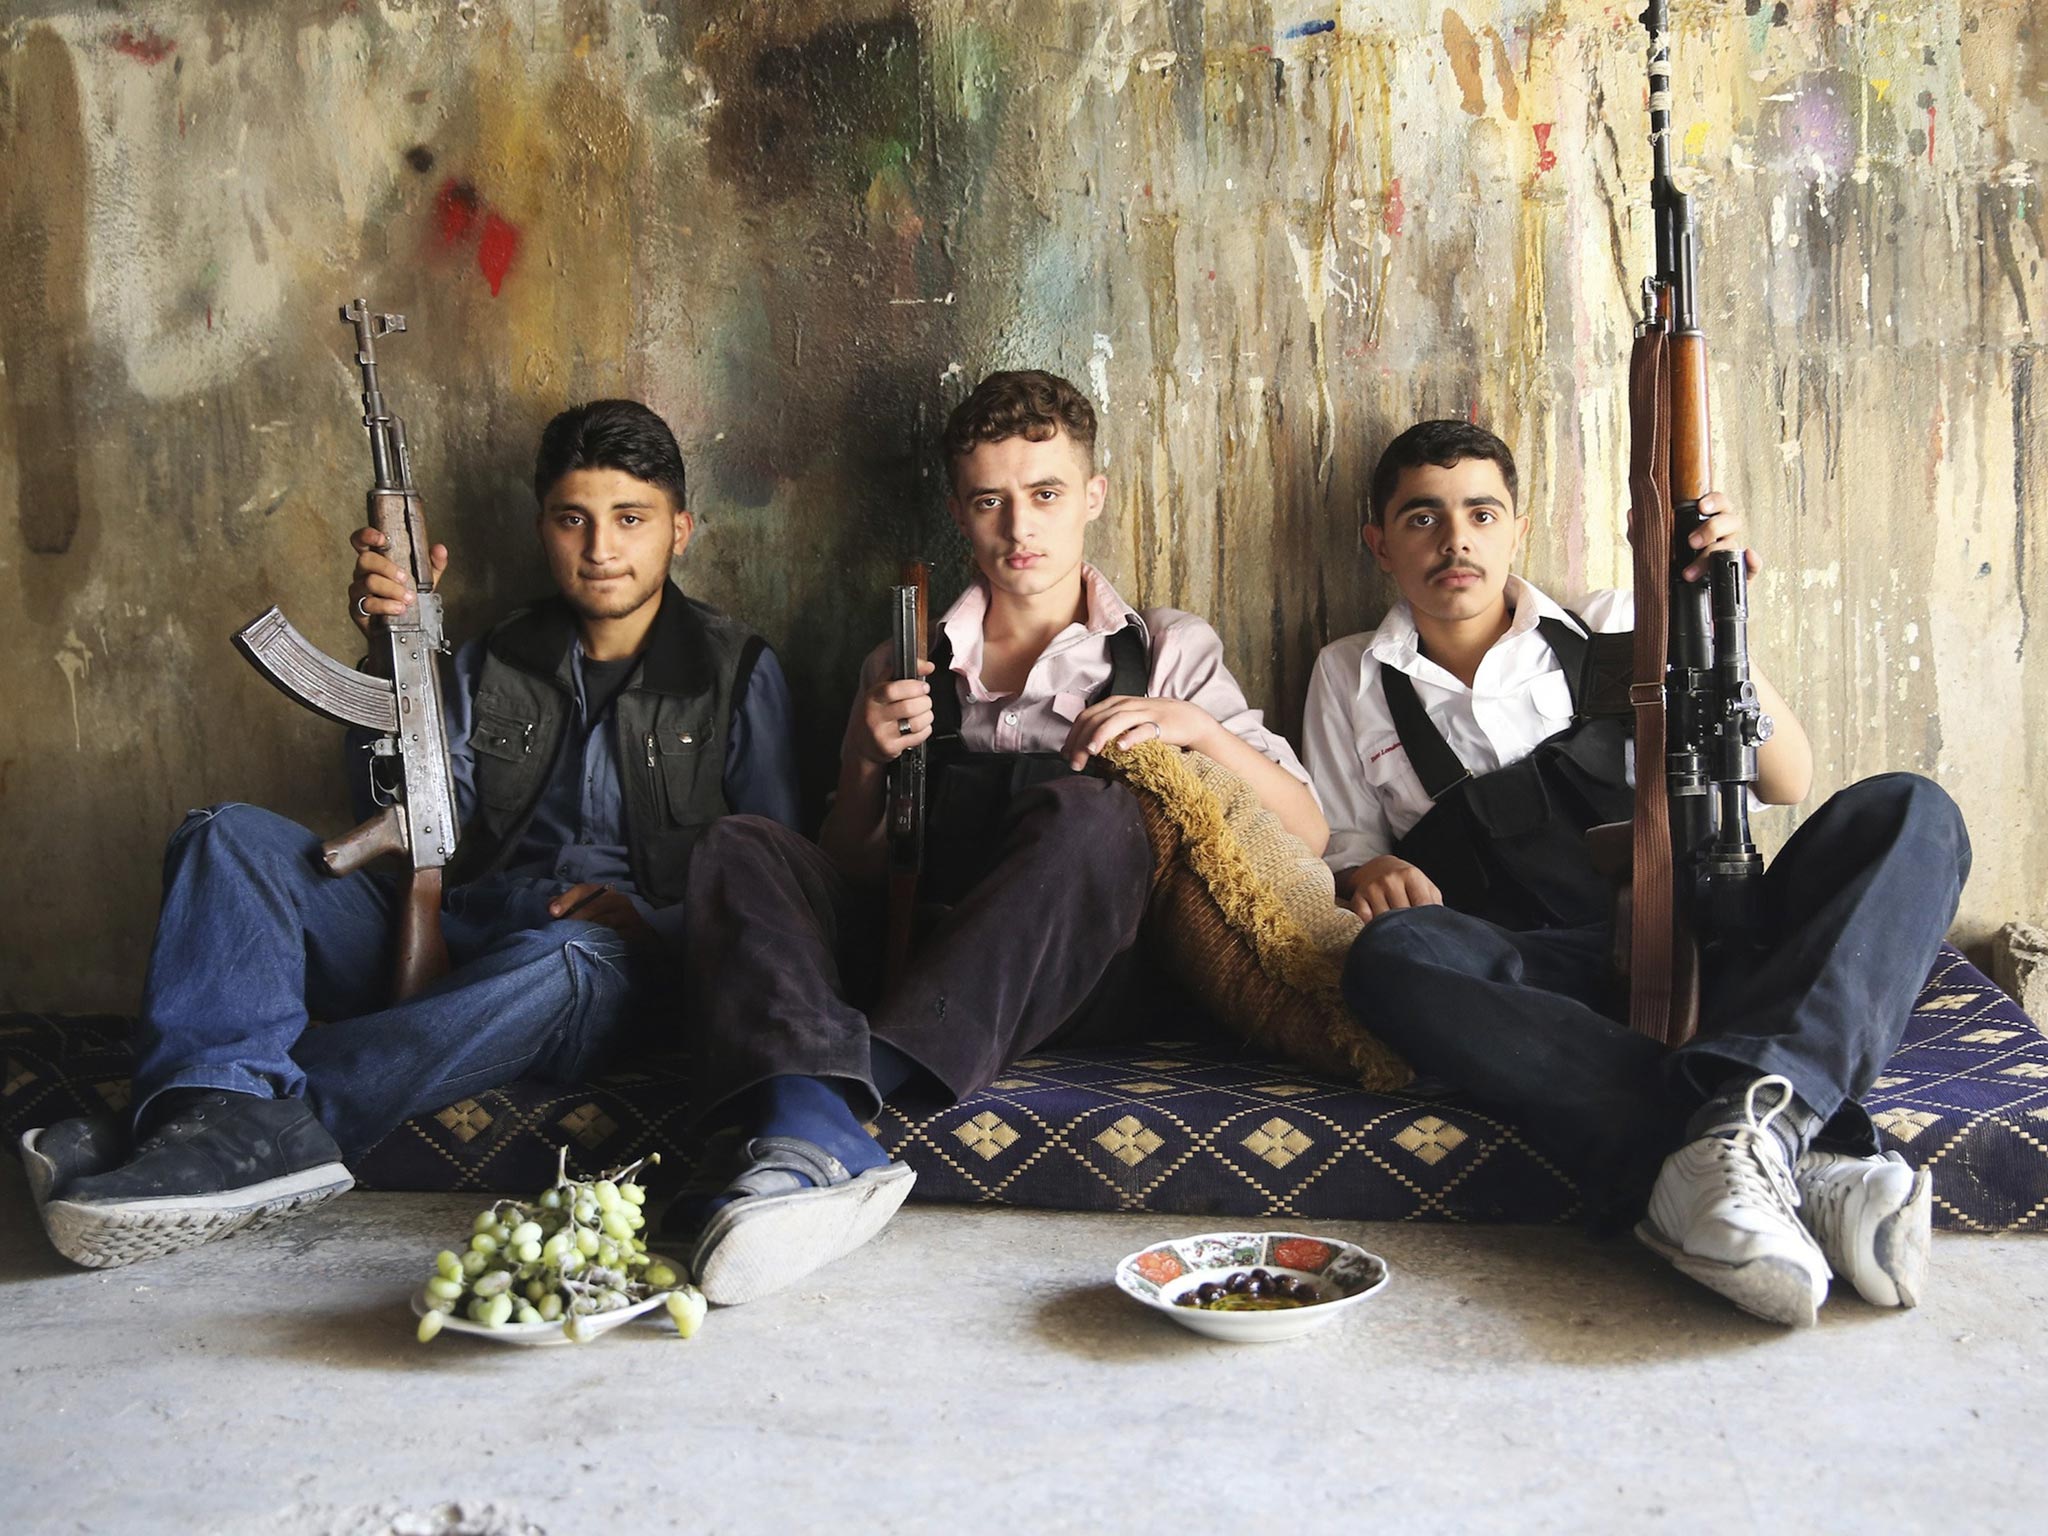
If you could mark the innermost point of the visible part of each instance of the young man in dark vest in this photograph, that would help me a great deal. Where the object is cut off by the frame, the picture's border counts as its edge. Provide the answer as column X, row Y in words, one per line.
column 1044, row 870
column 594, row 737
column 1460, row 774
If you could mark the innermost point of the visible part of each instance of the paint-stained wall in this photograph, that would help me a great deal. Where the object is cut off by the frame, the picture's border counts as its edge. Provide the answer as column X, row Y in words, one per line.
column 1264, row 235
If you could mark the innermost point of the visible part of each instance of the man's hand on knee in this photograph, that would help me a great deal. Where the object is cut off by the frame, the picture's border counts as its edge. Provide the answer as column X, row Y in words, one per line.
column 1387, row 884
column 593, row 903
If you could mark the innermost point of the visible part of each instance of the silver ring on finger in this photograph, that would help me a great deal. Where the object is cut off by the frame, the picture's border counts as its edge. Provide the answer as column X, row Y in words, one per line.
column 905, row 728
column 365, row 612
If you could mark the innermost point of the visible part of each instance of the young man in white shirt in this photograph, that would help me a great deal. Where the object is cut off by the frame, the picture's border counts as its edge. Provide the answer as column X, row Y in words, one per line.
column 1459, row 774
column 1044, row 869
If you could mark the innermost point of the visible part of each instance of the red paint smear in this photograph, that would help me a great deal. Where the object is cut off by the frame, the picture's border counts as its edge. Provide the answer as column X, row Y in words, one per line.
column 495, row 251
column 151, row 47
column 1396, row 210
column 455, row 207
column 1546, row 157
column 1930, row 133
column 209, row 317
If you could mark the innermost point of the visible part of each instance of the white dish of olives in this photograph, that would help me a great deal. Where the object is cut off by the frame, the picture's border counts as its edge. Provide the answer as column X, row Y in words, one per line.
column 1252, row 1287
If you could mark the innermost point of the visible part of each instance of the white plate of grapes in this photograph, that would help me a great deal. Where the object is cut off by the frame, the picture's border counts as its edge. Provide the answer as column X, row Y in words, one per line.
column 563, row 1268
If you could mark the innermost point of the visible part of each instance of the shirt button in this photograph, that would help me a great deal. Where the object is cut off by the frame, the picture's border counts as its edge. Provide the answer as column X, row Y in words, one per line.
column 1010, row 717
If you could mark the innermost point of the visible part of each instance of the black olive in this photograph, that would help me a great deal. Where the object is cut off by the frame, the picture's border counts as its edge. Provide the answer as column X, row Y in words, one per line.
column 1207, row 1292
column 1237, row 1283
column 1260, row 1274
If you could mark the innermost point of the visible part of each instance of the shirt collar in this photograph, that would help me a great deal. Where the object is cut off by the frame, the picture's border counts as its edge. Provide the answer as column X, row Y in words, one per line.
column 1397, row 643
column 962, row 623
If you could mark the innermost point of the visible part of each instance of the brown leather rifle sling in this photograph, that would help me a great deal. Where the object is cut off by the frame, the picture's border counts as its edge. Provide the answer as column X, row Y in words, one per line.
column 1663, row 965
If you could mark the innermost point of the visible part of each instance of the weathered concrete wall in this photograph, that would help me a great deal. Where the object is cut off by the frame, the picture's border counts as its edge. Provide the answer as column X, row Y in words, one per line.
column 1266, row 235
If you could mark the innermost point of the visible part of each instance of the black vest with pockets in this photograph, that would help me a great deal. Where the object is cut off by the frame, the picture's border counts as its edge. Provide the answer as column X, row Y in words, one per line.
column 969, row 793
column 1510, row 845
column 671, row 721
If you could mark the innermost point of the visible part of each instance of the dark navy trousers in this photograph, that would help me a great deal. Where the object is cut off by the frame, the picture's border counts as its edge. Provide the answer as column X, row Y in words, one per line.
column 1530, row 1023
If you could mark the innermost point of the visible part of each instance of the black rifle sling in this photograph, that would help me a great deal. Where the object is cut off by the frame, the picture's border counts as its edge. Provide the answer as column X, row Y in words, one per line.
column 1435, row 763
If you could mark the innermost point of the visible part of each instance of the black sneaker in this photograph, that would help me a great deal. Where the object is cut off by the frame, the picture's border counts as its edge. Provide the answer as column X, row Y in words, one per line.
column 216, row 1166
column 52, row 1156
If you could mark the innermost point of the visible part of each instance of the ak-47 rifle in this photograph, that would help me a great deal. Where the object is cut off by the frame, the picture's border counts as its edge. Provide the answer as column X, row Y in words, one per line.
column 905, row 816
column 409, row 769
column 1696, row 873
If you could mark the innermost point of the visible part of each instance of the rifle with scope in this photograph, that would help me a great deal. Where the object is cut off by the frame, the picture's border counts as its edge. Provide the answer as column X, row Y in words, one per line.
column 1695, row 872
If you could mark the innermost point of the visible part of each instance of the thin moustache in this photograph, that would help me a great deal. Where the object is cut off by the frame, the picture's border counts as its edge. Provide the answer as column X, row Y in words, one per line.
column 1456, row 565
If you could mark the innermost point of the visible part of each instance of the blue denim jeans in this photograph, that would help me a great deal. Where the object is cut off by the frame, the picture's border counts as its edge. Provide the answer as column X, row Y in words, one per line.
column 1529, row 1023
column 256, row 938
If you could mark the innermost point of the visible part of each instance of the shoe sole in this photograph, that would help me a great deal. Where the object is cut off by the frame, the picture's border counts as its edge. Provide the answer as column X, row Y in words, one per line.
column 105, row 1234
column 1901, row 1244
column 764, row 1243
column 1776, row 1290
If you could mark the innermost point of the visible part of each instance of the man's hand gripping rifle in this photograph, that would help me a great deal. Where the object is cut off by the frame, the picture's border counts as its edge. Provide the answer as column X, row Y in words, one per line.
column 1698, row 725
column 409, row 767
column 904, row 825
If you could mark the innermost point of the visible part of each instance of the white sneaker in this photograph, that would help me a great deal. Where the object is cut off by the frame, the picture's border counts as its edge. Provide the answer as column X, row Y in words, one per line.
column 1872, row 1217
column 1724, row 1211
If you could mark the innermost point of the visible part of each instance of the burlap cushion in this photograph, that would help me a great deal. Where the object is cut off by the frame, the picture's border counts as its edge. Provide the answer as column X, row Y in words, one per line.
column 1247, row 917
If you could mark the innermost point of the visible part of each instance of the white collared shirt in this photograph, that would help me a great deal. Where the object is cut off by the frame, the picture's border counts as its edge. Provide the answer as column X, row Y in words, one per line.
column 1519, row 696
column 1187, row 663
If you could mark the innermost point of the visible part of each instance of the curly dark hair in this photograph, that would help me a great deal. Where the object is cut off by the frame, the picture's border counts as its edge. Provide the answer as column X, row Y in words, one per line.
column 1442, row 443
column 1027, row 402
column 610, row 434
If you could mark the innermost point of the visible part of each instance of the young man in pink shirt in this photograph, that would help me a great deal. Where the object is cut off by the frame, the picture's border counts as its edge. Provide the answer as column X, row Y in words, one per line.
column 1044, row 869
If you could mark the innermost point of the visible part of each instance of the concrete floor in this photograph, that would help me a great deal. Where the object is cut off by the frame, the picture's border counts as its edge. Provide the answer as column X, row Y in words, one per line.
column 973, row 1370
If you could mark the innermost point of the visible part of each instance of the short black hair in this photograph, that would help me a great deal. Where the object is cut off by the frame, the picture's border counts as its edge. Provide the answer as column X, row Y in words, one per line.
column 610, row 434
column 1442, row 443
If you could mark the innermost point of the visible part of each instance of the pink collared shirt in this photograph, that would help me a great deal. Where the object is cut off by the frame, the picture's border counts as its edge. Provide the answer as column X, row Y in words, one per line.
column 1187, row 663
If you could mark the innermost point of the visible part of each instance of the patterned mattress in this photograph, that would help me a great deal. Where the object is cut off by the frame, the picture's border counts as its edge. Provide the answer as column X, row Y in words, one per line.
column 1188, row 1127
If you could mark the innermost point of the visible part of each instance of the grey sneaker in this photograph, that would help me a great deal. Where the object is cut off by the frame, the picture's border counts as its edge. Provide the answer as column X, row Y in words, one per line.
column 225, row 1162
column 1873, row 1217
column 1725, row 1212
column 792, row 1209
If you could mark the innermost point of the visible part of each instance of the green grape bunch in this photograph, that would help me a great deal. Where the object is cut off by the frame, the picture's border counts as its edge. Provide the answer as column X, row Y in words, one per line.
column 568, row 1256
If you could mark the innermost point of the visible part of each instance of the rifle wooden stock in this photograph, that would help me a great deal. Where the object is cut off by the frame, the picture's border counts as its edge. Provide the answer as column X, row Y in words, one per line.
column 422, row 950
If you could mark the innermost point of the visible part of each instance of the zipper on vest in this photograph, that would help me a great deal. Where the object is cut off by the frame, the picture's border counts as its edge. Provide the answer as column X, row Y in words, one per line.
column 657, row 787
